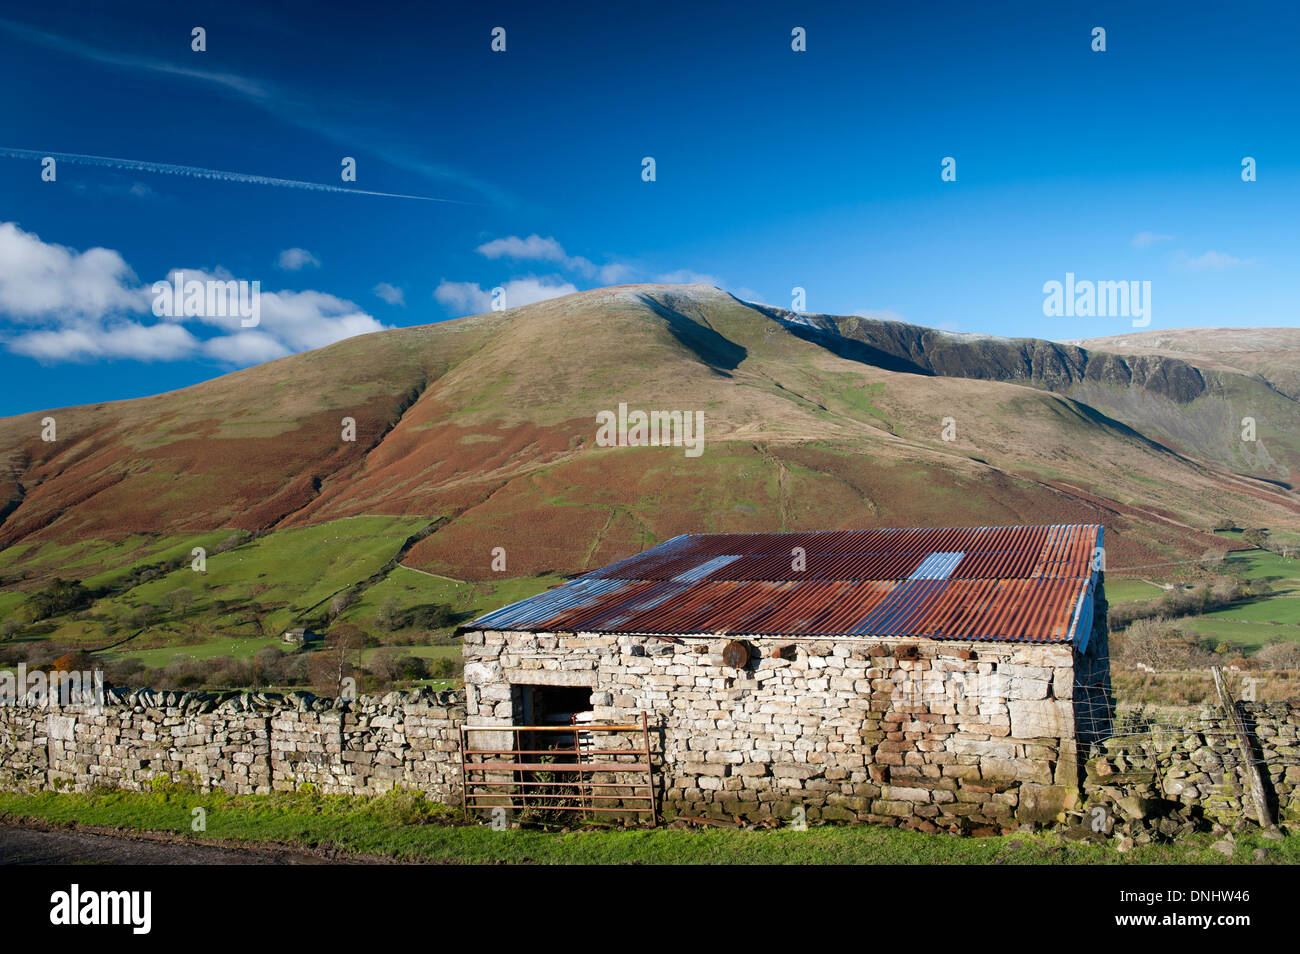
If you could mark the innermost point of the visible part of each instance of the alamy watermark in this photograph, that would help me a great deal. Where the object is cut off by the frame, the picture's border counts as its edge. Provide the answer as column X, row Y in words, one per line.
column 651, row 429
column 1089, row 299
column 923, row 687
column 52, row 689
column 133, row 909
column 208, row 298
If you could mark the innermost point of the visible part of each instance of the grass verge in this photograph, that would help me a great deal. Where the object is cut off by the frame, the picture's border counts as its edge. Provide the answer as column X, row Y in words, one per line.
column 407, row 827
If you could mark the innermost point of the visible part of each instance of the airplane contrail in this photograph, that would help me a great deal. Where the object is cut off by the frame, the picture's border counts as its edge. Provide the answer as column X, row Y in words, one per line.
column 196, row 172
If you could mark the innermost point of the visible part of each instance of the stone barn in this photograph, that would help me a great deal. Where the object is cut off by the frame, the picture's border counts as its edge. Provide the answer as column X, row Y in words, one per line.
column 936, row 678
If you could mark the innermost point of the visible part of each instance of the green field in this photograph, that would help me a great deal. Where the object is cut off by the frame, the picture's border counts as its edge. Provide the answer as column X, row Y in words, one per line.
column 236, row 648
column 289, row 578
column 1119, row 590
column 1250, row 636
column 100, row 563
column 1249, row 624
column 1283, row 572
column 286, row 574
column 1272, row 609
column 468, row 600
column 407, row 827
column 1257, row 623
column 302, row 567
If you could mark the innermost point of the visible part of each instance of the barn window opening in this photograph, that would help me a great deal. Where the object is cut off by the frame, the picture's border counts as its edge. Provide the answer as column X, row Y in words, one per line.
column 553, row 705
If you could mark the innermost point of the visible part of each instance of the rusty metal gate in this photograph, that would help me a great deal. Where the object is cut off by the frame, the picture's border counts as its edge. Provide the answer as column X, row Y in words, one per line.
column 561, row 776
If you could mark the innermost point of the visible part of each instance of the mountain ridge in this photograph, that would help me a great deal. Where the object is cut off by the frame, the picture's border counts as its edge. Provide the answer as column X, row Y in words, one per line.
column 811, row 420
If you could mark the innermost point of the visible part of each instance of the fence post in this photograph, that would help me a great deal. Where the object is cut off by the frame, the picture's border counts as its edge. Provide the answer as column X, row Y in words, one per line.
column 1253, row 777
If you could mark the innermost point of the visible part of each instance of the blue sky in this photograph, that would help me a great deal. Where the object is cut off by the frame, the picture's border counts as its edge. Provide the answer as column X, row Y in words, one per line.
column 775, row 169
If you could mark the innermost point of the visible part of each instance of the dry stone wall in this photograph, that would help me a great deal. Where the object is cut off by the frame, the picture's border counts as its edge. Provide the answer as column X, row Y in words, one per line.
column 247, row 743
column 930, row 735
column 1162, row 780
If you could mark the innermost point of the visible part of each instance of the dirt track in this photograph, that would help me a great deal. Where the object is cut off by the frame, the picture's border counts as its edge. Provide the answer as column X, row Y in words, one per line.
column 39, row 846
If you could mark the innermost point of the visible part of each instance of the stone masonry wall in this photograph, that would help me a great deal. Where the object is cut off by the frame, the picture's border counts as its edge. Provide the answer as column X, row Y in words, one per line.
column 1164, row 779
column 965, row 736
column 247, row 743
column 923, row 733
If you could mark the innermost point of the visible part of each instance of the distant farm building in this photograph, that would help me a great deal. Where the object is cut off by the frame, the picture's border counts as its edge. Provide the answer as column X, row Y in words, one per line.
column 936, row 678
column 300, row 636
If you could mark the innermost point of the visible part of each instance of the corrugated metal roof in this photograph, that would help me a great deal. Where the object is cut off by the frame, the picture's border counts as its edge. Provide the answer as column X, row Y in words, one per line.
column 970, row 583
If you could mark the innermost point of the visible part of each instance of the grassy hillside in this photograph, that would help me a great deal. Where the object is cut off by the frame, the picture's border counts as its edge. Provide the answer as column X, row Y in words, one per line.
column 476, row 437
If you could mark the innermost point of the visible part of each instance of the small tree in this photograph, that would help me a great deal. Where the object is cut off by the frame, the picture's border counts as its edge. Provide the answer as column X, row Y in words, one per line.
column 330, row 666
column 59, row 596
column 389, row 615
column 1211, row 558
column 180, row 601
column 341, row 602
column 1256, row 537
column 267, row 663
column 75, row 661
column 430, row 616
column 1284, row 655
column 1158, row 644
column 386, row 664
column 256, row 614
column 140, row 617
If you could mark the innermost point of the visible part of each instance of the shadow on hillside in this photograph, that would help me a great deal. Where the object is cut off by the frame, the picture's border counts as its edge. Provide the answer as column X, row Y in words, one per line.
column 1097, row 418
column 850, row 349
column 719, row 353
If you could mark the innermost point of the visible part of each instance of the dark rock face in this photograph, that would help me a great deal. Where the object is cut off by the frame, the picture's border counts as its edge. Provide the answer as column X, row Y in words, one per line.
column 897, row 346
column 1169, row 377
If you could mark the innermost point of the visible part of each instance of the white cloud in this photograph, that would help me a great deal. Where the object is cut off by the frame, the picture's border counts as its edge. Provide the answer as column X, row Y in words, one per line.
column 525, row 291
column 1147, row 239
column 118, row 339
column 534, row 248
column 312, row 319
column 390, row 293
column 616, row 273
column 38, row 279
column 293, row 259
column 469, row 298
column 245, row 348
column 684, row 276
column 300, row 320
column 1215, row 261
column 59, row 304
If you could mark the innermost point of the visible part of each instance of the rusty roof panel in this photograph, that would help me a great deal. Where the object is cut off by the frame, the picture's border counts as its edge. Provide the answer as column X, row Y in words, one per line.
column 1003, row 609
column 821, row 566
column 1004, row 583
column 900, row 610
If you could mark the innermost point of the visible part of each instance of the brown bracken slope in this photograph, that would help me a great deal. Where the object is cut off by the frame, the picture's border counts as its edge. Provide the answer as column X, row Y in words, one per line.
column 810, row 423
